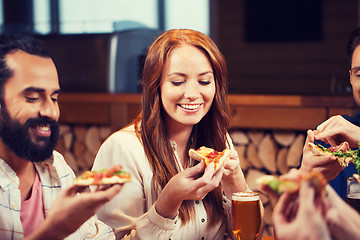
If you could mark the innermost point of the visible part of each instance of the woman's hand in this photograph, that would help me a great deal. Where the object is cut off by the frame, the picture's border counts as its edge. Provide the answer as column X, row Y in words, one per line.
column 327, row 165
column 187, row 186
column 233, row 179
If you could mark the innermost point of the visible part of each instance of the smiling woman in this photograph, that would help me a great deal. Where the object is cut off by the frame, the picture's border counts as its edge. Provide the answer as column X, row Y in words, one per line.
column 184, row 86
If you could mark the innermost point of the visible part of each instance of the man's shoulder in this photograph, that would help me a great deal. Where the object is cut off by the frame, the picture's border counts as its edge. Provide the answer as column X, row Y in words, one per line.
column 354, row 119
column 60, row 164
column 59, row 167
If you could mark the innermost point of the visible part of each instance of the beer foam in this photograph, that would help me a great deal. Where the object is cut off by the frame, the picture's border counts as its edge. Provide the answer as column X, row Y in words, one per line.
column 245, row 196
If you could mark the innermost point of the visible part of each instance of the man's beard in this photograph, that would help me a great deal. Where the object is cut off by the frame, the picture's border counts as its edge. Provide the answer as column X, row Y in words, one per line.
column 17, row 137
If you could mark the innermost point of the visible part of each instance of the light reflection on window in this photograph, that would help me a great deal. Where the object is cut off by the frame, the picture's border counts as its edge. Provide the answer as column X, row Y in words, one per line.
column 104, row 16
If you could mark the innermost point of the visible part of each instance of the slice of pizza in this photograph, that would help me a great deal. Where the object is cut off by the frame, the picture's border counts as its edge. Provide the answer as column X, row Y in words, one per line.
column 276, row 185
column 210, row 155
column 343, row 153
column 279, row 185
column 114, row 175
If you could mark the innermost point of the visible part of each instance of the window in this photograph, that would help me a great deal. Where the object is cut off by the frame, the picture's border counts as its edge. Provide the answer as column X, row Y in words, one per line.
column 104, row 16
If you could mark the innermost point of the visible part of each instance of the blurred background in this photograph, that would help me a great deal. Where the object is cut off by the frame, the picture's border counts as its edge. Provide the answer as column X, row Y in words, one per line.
column 272, row 47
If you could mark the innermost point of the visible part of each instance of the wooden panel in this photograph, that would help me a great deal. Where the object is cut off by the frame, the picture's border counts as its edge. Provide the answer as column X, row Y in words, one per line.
column 99, row 98
column 291, row 100
column 248, row 111
column 342, row 111
column 123, row 114
column 265, row 100
column 329, row 101
column 276, row 117
column 84, row 113
column 298, row 67
column 134, row 110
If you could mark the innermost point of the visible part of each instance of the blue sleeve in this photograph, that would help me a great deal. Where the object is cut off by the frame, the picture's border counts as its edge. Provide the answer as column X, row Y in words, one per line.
column 339, row 182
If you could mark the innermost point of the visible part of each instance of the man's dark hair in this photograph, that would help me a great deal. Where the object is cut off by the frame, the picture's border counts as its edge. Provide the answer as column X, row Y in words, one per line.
column 17, row 42
column 353, row 42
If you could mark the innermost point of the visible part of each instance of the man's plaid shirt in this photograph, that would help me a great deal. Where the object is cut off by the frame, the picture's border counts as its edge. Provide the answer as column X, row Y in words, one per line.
column 55, row 175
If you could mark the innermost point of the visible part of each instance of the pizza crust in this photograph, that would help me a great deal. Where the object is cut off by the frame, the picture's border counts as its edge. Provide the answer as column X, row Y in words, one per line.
column 195, row 155
column 103, row 181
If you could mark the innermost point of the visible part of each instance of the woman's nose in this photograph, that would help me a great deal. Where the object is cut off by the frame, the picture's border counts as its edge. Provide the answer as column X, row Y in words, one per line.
column 192, row 91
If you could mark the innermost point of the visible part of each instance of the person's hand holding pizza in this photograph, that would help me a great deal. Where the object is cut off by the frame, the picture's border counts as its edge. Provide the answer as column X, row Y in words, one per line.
column 326, row 164
column 186, row 185
column 293, row 210
column 233, row 179
column 71, row 209
column 336, row 130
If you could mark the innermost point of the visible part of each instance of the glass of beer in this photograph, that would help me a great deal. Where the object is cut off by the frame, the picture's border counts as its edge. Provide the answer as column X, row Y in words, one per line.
column 353, row 193
column 246, row 216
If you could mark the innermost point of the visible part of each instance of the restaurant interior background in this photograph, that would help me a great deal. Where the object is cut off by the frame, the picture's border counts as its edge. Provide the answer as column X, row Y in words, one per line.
column 287, row 61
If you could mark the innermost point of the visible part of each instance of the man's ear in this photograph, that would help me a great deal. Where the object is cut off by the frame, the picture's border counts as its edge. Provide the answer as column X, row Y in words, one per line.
column 351, row 77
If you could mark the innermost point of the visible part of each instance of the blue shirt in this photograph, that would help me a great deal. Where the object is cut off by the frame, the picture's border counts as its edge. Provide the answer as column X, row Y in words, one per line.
column 339, row 183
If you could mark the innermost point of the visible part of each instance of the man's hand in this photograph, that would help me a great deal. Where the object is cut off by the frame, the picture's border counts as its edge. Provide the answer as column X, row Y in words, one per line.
column 343, row 220
column 336, row 130
column 299, row 217
column 327, row 165
column 71, row 209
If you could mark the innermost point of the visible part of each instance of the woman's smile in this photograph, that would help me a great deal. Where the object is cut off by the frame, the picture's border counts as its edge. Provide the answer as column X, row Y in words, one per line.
column 190, row 107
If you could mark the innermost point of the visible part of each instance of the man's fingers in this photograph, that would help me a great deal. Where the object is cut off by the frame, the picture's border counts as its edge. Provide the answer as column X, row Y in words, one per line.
column 310, row 136
column 74, row 189
column 306, row 195
column 105, row 195
column 279, row 213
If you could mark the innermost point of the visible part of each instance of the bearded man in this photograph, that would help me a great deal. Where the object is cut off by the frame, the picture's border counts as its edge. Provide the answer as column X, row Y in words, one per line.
column 32, row 174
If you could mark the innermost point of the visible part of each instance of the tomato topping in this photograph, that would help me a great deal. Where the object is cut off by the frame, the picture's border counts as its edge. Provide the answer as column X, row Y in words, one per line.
column 213, row 154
